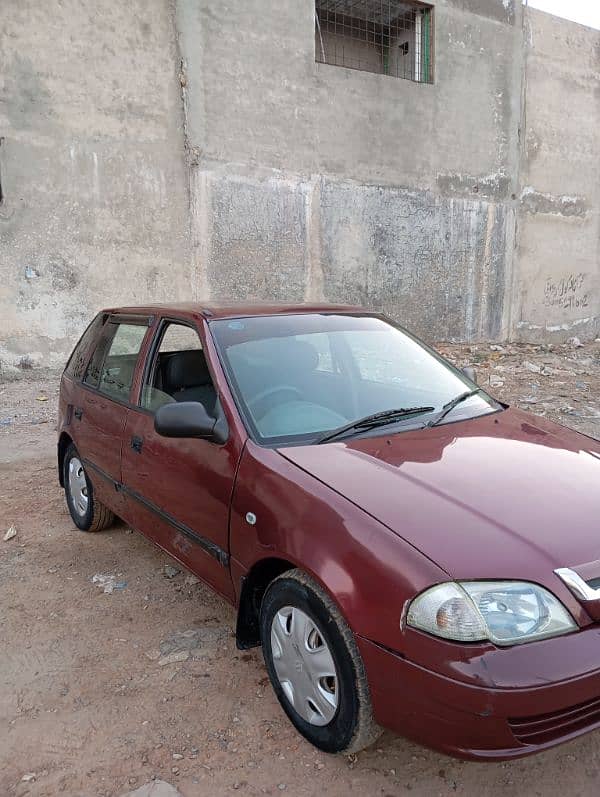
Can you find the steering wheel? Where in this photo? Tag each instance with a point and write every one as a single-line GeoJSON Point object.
{"type": "Point", "coordinates": [255, 403]}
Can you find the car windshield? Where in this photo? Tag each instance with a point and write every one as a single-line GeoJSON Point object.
{"type": "Point", "coordinates": [298, 377]}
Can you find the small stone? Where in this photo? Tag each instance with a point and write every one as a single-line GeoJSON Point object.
{"type": "Point", "coordinates": [496, 381]}
{"type": "Point", "coordinates": [575, 343]}
{"type": "Point", "coordinates": [174, 658]}
{"type": "Point", "coordinates": [177, 756]}
{"type": "Point", "coordinates": [155, 788]}
{"type": "Point", "coordinates": [568, 410]}
{"type": "Point", "coordinates": [108, 582]}
{"type": "Point", "coordinates": [496, 347]}
{"type": "Point", "coordinates": [170, 572]}
{"type": "Point", "coordinates": [281, 786]}
{"type": "Point", "coordinates": [175, 770]}
{"type": "Point", "coordinates": [533, 367]}
{"type": "Point", "coordinates": [28, 777]}
{"type": "Point", "coordinates": [12, 532]}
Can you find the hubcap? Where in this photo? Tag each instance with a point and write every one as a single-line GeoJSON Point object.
{"type": "Point", "coordinates": [78, 486]}
{"type": "Point", "coordinates": [304, 665]}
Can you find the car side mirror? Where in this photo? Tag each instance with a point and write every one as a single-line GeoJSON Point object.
{"type": "Point", "coordinates": [185, 419]}
{"type": "Point", "coordinates": [469, 372]}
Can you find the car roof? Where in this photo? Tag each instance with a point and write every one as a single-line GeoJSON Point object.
{"type": "Point", "coordinates": [211, 310]}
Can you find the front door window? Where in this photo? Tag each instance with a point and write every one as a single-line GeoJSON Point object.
{"type": "Point", "coordinates": [178, 371]}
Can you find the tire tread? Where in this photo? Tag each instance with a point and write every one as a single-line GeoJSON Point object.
{"type": "Point", "coordinates": [102, 516]}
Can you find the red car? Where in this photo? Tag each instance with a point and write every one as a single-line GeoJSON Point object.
{"type": "Point", "coordinates": [411, 553]}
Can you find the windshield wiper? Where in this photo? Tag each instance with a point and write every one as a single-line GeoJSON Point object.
{"type": "Point", "coordinates": [452, 404]}
{"type": "Point", "coordinates": [374, 420]}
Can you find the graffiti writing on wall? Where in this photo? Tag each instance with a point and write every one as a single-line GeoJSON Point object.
{"type": "Point", "coordinates": [567, 293]}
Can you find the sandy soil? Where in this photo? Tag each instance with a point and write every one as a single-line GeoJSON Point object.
{"type": "Point", "coordinates": [92, 699]}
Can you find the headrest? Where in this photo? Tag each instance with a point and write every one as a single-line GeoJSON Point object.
{"type": "Point", "coordinates": [187, 369]}
{"type": "Point", "coordinates": [304, 356]}
{"type": "Point", "coordinates": [295, 356]}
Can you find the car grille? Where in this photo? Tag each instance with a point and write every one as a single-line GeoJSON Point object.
{"type": "Point", "coordinates": [549, 727]}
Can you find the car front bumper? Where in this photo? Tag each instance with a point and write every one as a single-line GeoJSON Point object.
{"type": "Point", "coordinates": [481, 722]}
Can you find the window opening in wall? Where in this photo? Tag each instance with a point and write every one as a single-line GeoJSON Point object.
{"type": "Point", "coordinates": [389, 37]}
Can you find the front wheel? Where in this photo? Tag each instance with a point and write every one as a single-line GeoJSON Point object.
{"type": "Point", "coordinates": [87, 513]}
{"type": "Point", "coordinates": [314, 665]}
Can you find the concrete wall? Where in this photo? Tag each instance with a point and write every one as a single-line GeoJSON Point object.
{"type": "Point", "coordinates": [166, 149]}
{"type": "Point", "coordinates": [313, 181]}
{"type": "Point", "coordinates": [92, 168]}
{"type": "Point", "coordinates": [557, 281]}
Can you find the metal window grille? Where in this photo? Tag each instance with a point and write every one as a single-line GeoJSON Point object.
{"type": "Point", "coordinates": [389, 37]}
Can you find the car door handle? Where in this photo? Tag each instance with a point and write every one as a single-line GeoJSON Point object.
{"type": "Point", "coordinates": [137, 443]}
{"type": "Point", "coordinates": [78, 413]}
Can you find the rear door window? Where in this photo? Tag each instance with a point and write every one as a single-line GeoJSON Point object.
{"type": "Point", "coordinates": [112, 366]}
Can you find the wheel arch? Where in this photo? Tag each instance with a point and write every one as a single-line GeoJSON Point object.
{"type": "Point", "coordinates": [253, 587]}
{"type": "Point", "coordinates": [64, 441]}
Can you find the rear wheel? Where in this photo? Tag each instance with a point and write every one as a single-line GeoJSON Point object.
{"type": "Point", "coordinates": [88, 514]}
{"type": "Point", "coordinates": [314, 665]}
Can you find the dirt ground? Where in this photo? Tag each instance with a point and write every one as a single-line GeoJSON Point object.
{"type": "Point", "coordinates": [102, 691]}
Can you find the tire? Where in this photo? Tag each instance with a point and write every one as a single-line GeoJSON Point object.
{"type": "Point", "coordinates": [87, 513]}
{"type": "Point", "coordinates": [333, 712]}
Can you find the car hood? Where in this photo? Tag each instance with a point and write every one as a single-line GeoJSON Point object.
{"type": "Point", "coordinates": [506, 495]}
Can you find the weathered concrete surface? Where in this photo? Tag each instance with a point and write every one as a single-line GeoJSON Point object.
{"type": "Point", "coordinates": [94, 183]}
{"type": "Point", "coordinates": [327, 183]}
{"type": "Point", "coordinates": [557, 281]}
{"type": "Point", "coordinates": [257, 97]}
{"type": "Point", "coordinates": [436, 264]}
{"type": "Point", "coordinates": [169, 149]}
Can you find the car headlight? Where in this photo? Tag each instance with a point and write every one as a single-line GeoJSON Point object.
{"type": "Point", "coordinates": [503, 612]}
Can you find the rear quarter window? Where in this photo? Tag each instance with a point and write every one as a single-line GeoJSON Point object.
{"type": "Point", "coordinates": [77, 362]}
